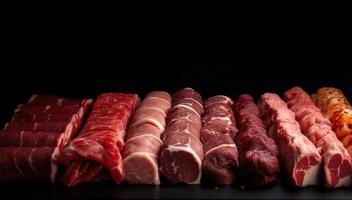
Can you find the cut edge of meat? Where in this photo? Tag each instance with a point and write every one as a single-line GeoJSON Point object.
{"type": "Point", "coordinates": [187, 150]}
{"type": "Point", "coordinates": [148, 163]}
{"type": "Point", "coordinates": [313, 171]}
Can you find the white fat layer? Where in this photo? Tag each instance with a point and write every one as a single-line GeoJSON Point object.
{"type": "Point", "coordinates": [6, 125]}
{"type": "Point", "coordinates": [345, 181]}
{"type": "Point", "coordinates": [151, 108]}
{"type": "Point", "coordinates": [143, 155]}
{"type": "Point", "coordinates": [30, 161]}
{"type": "Point", "coordinates": [227, 119]}
{"type": "Point", "coordinates": [33, 97]}
{"type": "Point", "coordinates": [225, 97]}
{"type": "Point", "coordinates": [153, 97]}
{"type": "Point", "coordinates": [35, 126]}
{"type": "Point", "coordinates": [54, 166]}
{"type": "Point", "coordinates": [47, 107]}
{"type": "Point", "coordinates": [21, 138]}
{"type": "Point", "coordinates": [220, 146]}
{"type": "Point", "coordinates": [187, 107]}
{"type": "Point", "coordinates": [142, 136]}
{"type": "Point", "coordinates": [150, 120]}
{"type": "Point", "coordinates": [188, 149]}
{"type": "Point", "coordinates": [16, 165]}
{"type": "Point", "coordinates": [194, 101]}
{"type": "Point", "coordinates": [311, 176]}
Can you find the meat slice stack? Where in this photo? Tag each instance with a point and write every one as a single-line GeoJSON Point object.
{"type": "Point", "coordinates": [182, 152]}
{"type": "Point", "coordinates": [258, 153]}
{"type": "Point", "coordinates": [337, 161]}
{"type": "Point", "coordinates": [335, 106]}
{"type": "Point", "coordinates": [142, 149]}
{"type": "Point", "coordinates": [30, 143]}
{"type": "Point", "coordinates": [299, 155]}
{"type": "Point", "coordinates": [220, 151]}
{"type": "Point", "coordinates": [98, 145]}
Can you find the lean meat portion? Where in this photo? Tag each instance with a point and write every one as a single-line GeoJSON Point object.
{"type": "Point", "coordinates": [218, 130]}
{"type": "Point", "coordinates": [299, 155]}
{"type": "Point", "coordinates": [99, 143]}
{"type": "Point", "coordinates": [142, 149]}
{"type": "Point", "coordinates": [30, 143]}
{"type": "Point", "coordinates": [182, 151]}
{"type": "Point", "coordinates": [258, 153]}
{"type": "Point", "coordinates": [337, 161]}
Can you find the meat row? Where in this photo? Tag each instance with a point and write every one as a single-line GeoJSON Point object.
{"type": "Point", "coordinates": [335, 106]}
{"type": "Point", "coordinates": [217, 133]}
{"type": "Point", "coordinates": [30, 143]}
{"type": "Point", "coordinates": [143, 143]}
{"type": "Point", "coordinates": [182, 151]}
{"type": "Point", "coordinates": [98, 145]}
{"type": "Point", "coordinates": [337, 161]}
{"type": "Point", "coordinates": [258, 153]}
{"type": "Point", "coordinates": [299, 155]}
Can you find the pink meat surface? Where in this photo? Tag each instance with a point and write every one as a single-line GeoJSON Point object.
{"type": "Point", "coordinates": [299, 155]}
{"type": "Point", "coordinates": [182, 151]}
{"type": "Point", "coordinates": [218, 130]}
{"type": "Point", "coordinates": [142, 149]}
{"type": "Point", "coordinates": [337, 161]}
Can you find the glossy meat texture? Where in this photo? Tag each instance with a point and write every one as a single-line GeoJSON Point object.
{"type": "Point", "coordinates": [142, 149]}
{"type": "Point", "coordinates": [98, 145]}
{"type": "Point", "coordinates": [337, 161]}
{"type": "Point", "coordinates": [298, 154]}
{"type": "Point", "coordinates": [335, 106]}
{"type": "Point", "coordinates": [39, 129]}
{"type": "Point", "coordinates": [258, 153]}
{"type": "Point", "coordinates": [218, 130]}
{"type": "Point", "coordinates": [182, 151]}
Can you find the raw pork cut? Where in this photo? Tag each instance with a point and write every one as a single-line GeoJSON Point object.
{"type": "Point", "coordinates": [337, 161]}
{"type": "Point", "coordinates": [182, 151]}
{"type": "Point", "coordinates": [142, 149]}
{"type": "Point", "coordinates": [299, 155]}
{"type": "Point", "coordinates": [28, 164]}
{"type": "Point", "coordinates": [258, 153]}
{"type": "Point", "coordinates": [99, 143]}
{"type": "Point", "coordinates": [218, 130]}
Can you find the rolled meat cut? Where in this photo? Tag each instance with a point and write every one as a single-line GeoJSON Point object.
{"type": "Point", "coordinates": [218, 130]}
{"type": "Point", "coordinates": [97, 146]}
{"type": "Point", "coordinates": [30, 143]}
{"type": "Point", "coordinates": [298, 154]}
{"type": "Point", "coordinates": [337, 161]}
{"type": "Point", "coordinates": [182, 151]}
{"type": "Point", "coordinates": [336, 107]}
{"type": "Point", "coordinates": [258, 153]}
{"type": "Point", "coordinates": [142, 149]}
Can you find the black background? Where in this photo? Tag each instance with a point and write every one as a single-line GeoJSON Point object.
{"type": "Point", "coordinates": [210, 73]}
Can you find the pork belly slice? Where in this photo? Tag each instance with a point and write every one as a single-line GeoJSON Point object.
{"type": "Point", "coordinates": [258, 153]}
{"type": "Point", "coordinates": [142, 149]}
{"type": "Point", "coordinates": [337, 161]}
{"type": "Point", "coordinates": [182, 151]}
{"type": "Point", "coordinates": [299, 155]}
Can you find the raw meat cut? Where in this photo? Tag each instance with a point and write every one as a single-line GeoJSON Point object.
{"type": "Point", "coordinates": [30, 143]}
{"type": "Point", "coordinates": [31, 139]}
{"type": "Point", "coordinates": [218, 130]}
{"type": "Point", "coordinates": [335, 106]}
{"type": "Point", "coordinates": [142, 149]}
{"type": "Point", "coordinates": [99, 143]}
{"type": "Point", "coordinates": [299, 155]}
{"type": "Point", "coordinates": [258, 153]}
{"type": "Point", "coordinates": [182, 151]}
{"type": "Point", "coordinates": [337, 161]}
{"type": "Point", "coordinates": [28, 164]}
